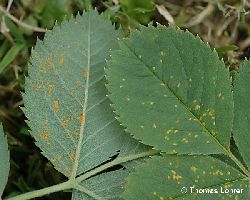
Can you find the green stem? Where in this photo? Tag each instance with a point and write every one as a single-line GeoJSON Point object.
{"type": "Point", "coordinates": [38, 193]}
{"type": "Point", "coordinates": [115, 162]}
{"type": "Point", "coordinates": [238, 163]}
{"type": "Point", "coordinates": [74, 183]}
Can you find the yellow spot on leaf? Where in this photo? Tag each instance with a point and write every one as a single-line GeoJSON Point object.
{"type": "Point", "coordinates": [167, 138]}
{"type": "Point", "coordinates": [175, 176]}
{"type": "Point", "coordinates": [193, 169]}
{"type": "Point", "coordinates": [38, 87]}
{"type": "Point", "coordinates": [184, 140]}
{"type": "Point", "coordinates": [77, 133]}
{"type": "Point", "coordinates": [78, 82]}
{"type": "Point", "coordinates": [76, 42]}
{"type": "Point", "coordinates": [65, 122]}
{"type": "Point", "coordinates": [42, 69]}
{"type": "Point", "coordinates": [50, 89]}
{"type": "Point", "coordinates": [197, 107]}
{"type": "Point", "coordinates": [50, 63]}
{"type": "Point", "coordinates": [154, 125]}
{"type": "Point", "coordinates": [56, 105]}
{"type": "Point", "coordinates": [169, 131]}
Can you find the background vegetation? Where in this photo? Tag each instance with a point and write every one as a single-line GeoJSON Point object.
{"type": "Point", "coordinates": [224, 24]}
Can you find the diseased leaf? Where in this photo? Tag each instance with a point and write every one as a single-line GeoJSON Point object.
{"type": "Point", "coordinates": [5, 161]}
{"type": "Point", "coordinates": [184, 178]}
{"type": "Point", "coordinates": [68, 110]}
{"type": "Point", "coordinates": [241, 128]}
{"type": "Point", "coordinates": [65, 98]}
{"type": "Point", "coordinates": [171, 91]}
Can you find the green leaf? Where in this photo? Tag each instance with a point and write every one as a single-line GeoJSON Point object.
{"type": "Point", "coordinates": [241, 126]}
{"type": "Point", "coordinates": [227, 48]}
{"type": "Point", "coordinates": [172, 92]}
{"type": "Point", "coordinates": [67, 106]}
{"type": "Point", "coordinates": [55, 10]}
{"type": "Point", "coordinates": [139, 10]}
{"type": "Point", "coordinates": [5, 161]}
{"type": "Point", "coordinates": [186, 177]}
{"type": "Point", "coordinates": [10, 55]}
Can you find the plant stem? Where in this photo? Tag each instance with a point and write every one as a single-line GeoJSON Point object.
{"type": "Point", "coordinates": [74, 182]}
{"type": "Point", "coordinates": [38, 193]}
{"type": "Point", "coordinates": [115, 162]}
{"type": "Point", "coordinates": [238, 163]}
{"type": "Point", "coordinates": [14, 19]}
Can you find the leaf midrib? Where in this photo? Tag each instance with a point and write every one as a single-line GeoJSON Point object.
{"type": "Point", "coordinates": [225, 151]}
{"type": "Point", "coordinates": [79, 146]}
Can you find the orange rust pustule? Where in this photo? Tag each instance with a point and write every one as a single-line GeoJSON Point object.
{"type": "Point", "coordinates": [50, 63]}
{"type": "Point", "coordinates": [45, 136]}
{"type": "Point", "coordinates": [61, 62]}
{"type": "Point", "coordinates": [81, 117]}
{"type": "Point", "coordinates": [73, 156]}
{"type": "Point", "coordinates": [85, 73]}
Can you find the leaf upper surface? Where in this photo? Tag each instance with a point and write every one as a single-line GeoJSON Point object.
{"type": "Point", "coordinates": [5, 161]}
{"type": "Point", "coordinates": [171, 177]}
{"type": "Point", "coordinates": [171, 91]}
{"type": "Point", "coordinates": [241, 127]}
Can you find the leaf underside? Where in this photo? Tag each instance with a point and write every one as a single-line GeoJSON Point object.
{"type": "Point", "coordinates": [241, 129]}
{"type": "Point", "coordinates": [66, 104]}
{"type": "Point", "coordinates": [164, 177]}
{"type": "Point", "coordinates": [171, 91]}
{"type": "Point", "coordinates": [5, 161]}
